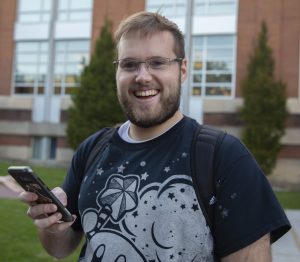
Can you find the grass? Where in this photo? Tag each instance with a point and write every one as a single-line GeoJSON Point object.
{"type": "Point", "coordinates": [18, 239]}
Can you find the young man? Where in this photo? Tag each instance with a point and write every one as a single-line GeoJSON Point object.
{"type": "Point", "coordinates": [136, 200]}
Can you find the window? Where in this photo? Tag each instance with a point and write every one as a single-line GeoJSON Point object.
{"type": "Point", "coordinates": [169, 8]}
{"type": "Point", "coordinates": [213, 65]}
{"type": "Point", "coordinates": [32, 11]}
{"type": "Point", "coordinates": [70, 58]}
{"type": "Point", "coordinates": [214, 7]}
{"type": "Point", "coordinates": [44, 148]}
{"type": "Point", "coordinates": [74, 10]}
{"type": "Point", "coordinates": [31, 59]}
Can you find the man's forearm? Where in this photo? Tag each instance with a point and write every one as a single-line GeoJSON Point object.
{"type": "Point", "coordinates": [259, 251]}
{"type": "Point", "coordinates": [60, 244]}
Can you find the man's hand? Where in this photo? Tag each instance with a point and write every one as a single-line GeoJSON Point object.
{"type": "Point", "coordinates": [45, 216]}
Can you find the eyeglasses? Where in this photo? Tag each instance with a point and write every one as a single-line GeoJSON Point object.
{"type": "Point", "coordinates": [152, 64]}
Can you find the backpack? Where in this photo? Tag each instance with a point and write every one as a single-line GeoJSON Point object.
{"type": "Point", "coordinates": [205, 144]}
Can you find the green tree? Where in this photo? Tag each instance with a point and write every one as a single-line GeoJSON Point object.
{"type": "Point", "coordinates": [264, 111]}
{"type": "Point", "coordinates": [95, 104]}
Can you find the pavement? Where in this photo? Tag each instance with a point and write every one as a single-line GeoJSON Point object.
{"type": "Point", "coordinates": [286, 249]}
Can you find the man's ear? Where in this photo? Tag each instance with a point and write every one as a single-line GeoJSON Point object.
{"type": "Point", "coordinates": [183, 70]}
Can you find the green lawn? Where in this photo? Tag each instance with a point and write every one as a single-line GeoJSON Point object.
{"type": "Point", "coordinates": [18, 240]}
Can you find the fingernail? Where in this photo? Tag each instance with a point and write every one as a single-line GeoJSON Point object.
{"type": "Point", "coordinates": [58, 216]}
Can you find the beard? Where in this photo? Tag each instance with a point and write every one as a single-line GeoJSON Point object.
{"type": "Point", "coordinates": [141, 117]}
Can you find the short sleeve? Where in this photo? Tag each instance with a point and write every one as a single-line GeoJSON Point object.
{"type": "Point", "coordinates": [246, 207]}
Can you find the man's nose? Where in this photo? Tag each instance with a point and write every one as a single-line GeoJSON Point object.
{"type": "Point", "coordinates": [143, 74]}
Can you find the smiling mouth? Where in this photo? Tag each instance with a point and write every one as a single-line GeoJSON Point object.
{"type": "Point", "coordinates": [145, 93]}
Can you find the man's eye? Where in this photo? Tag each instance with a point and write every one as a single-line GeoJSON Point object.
{"type": "Point", "coordinates": [157, 63]}
{"type": "Point", "coordinates": [129, 65]}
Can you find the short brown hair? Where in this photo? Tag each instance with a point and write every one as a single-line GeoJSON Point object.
{"type": "Point", "coordinates": [147, 23]}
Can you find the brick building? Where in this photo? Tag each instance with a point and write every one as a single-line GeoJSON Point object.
{"type": "Point", "coordinates": [45, 44]}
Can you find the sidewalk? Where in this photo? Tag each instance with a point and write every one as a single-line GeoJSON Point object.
{"type": "Point", "coordinates": [287, 248]}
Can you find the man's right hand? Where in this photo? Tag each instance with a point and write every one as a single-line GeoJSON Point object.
{"type": "Point", "coordinates": [45, 216]}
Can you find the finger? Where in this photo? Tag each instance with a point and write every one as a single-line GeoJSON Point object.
{"type": "Point", "coordinates": [49, 221]}
{"type": "Point", "coordinates": [43, 210]}
{"type": "Point", "coordinates": [27, 197]}
{"type": "Point", "coordinates": [60, 194]}
{"type": "Point", "coordinates": [60, 226]}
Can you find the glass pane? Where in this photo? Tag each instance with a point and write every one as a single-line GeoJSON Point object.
{"type": "Point", "coordinates": [59, 69]}
{"type": "Point", "coordinates": [60, 58]}
{"type": "Point", "coordinates": [218, 65]}
{"type": "Point", "coordinates": [30, 5]}
{"type": "Point", "coordinates": [62, 16]}
{"type": "Point", "coordinates": [78, 46]}
{"type": "Point", "coordinates": [45, 17]}
{"type": "Point", "coordinates": [197, 91]}
{"type": "Point", "coordinates": [222, 78]}
{"type": "Point", "coordinates": [23, 90]}
{"type": "Point", "coordinates": [47, 5]}
{"type": "Point", "coordinates": [197, 78]}
{"type": "Point", "coordinates": [44, 47]}
{"type": "Point", "coordinates": [41, 78]}
{"type": "Point", "coordinates": [60, 46]}
{"type": "Point", "coordinates": [37, 147]}
{"type": "Point", "coordinates": [80, 16]}
{"type": "Point", "coordinates": [26, 69]}
{"type": "Point", "coordinates": [28, 18]}
{"type": "Point", "coordinates": [72, 69]}
{"type": "Point", "coordinates": [40, 90]}
{"type": "Point", "coordinates": [198, 41]}
{"type": "Point", "coordinates": [53, 142]}
{"type": "Point", "coordinates": [217, 91]}
{"type": "Point", "coordinates": [42, 69]}
{"type": "Point", "coordinates": [28, 79]}
{"type": "Point", "coordinates": [71, 79]}
{"type": "Point", "coordinates": [58, 79]}
{"type": "Point", "coordinates": [218, 8]}
{"type": "Point", "coordinates": [198, 65]}
{"type": "Point", "coordinates": [43, 58]}
{"type": "Point", "coordinates": [57, 90]}
{"type": "Point", "coordinates": [76, 58]}
{"type": "Point", "coordinates": [27, 47]}
{"type": "Point", "coordinates": [220, 40]}
{"type": "Point", "coordinates": [81, 4]}
{"type": "Point", "coordinates": [27, 58]}
{"type": "Point", "coordinates": [63, 4]}
{"type": "Point", "coordinates": [199, 9]}
{"type": "Point", "coordinates": [219, 53]}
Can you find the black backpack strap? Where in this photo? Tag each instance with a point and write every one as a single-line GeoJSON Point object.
{"type": "Point", "coordinates": [99, 147]}
{"type": "Point", "coordinates": [205, 144]}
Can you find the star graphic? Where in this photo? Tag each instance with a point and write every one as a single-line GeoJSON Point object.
{"type": "Point", "coordinates": [224, 213]}
{"type": "Point", "coordinates": [167, 169]}
{"type": "Point", "coordinates": [195, 207]}
{"type": "Point", "coordinates": [100, 171]}
{"type": "Point", "coordinates": [184, 155]}
{"type": "Point", "coordinates": [144, 176]}
{"type": "Point", "coordinates": [154, 208]}
{"type": "Point", "coordinates": [171, 195]}
{"type": "Point", "coordinates": [121, 169]}
{"type": "Point", "coordinates": [135, 214]}
{"type": "Point", "coordinates": [182, 206]}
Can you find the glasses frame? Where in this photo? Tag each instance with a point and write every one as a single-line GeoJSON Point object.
{"type": "Point", "coordinates": [147, 63]}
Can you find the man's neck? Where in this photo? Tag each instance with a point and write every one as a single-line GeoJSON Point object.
{"type": "Point", "coordinates": [141, 134]}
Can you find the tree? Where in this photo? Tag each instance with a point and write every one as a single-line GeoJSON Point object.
{"type": "Point", "coordinates": [264, 111]}
{"type": "Point", "coordinates": [95, 104]}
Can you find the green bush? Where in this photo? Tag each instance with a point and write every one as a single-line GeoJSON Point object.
{"type": "Point", "coordinates": [264, 111]}
{"type": "Point", "coordinates": [95, 104]}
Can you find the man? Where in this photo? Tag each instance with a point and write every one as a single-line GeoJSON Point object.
{"type": "Point", "coordinates": [135, 201]}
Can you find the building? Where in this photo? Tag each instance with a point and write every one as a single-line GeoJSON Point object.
{"type": "Point", "coordinates": [45, 44]}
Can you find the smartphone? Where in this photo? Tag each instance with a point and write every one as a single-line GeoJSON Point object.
{"type": "Point", "coordinates": [30, 182]}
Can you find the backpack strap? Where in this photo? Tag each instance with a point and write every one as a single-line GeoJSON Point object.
{"type": "Point", "coordinates": [205, 144]}
{"type": "Point", "coordinates": [99, 147]}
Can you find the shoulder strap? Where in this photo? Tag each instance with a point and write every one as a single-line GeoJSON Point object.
{"type": "Point", "coordinates": [99, 147]}
{"type": "Point", "coordinates": [206, 142]}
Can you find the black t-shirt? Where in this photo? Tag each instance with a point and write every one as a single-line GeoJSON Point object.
{"type": "Point", "coordinates": [137, 202]}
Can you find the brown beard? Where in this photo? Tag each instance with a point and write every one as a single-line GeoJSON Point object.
{"type": "Point", "coordinates": [169, 107]}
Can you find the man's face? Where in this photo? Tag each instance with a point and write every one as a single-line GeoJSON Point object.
{"type": "Point", "coordinates": [149, 97]}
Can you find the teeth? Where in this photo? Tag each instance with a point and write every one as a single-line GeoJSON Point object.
{"type": "Point", "coordinates": [146, 93]}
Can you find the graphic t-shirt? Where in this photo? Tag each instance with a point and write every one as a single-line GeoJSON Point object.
{"type": "Point", "coordinates": [136, 202]}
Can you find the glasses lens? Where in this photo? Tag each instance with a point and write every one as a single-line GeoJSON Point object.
{"type": "Point", "coordinates": [158, 62]}
{"type": "Point", "coordinates": [128, 64]}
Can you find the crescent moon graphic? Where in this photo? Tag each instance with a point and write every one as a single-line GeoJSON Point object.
{"type": "Point", "coordinates": [155, 240]}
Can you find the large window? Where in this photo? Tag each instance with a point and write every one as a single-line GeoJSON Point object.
{"type": "Point", "coordinates": [214, 7]}
{"type": "Point", "coordinates": [31, 60]}
{"type": "Point", "coordinates": [169, 8]}
{"type": "Point", "coordinates": [213, 65]}
{"type": "Point", "coordinates": [32, 11]}
{"type": "Point", "coordinates": [74, 10]}
{"type": "Point", "coordinates": [70, 58]}
{"type": "Point", "coordinates": [44, 148]}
